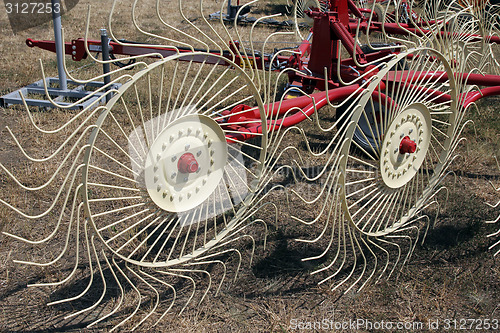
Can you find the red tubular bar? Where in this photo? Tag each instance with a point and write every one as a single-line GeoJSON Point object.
{"type": "Point", "coordinates": [308, 108]}
{"type": "Point", "coordinates": [472, 97]}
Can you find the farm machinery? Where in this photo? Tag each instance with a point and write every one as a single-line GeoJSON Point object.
{"type": "Point", "coordinates": [164, 181]}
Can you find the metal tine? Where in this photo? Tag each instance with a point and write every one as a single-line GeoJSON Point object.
{"type": "Point", "coordinates": [497, 219]}
{"type": "Point", "coordinates": [65, 248]}
{"type": "Point", "coordinates": [220, 262]}
{"type": "Point", "coordinates": [56, 228]}
{"type": "Point", "coordinates": [93, 306]}
{"type": "Point", "coordinates": [172, 272]}
{"type": "Point", "coordinates": [135, 289]}
{"type": "Point", "coordinates": [72, 273]}
{"type": "Point", "coordinates": [157, 302]}
{"type": "Point", "coordinates": [122, 293]}
{"type": "Point", "coordinates": [170, 287]}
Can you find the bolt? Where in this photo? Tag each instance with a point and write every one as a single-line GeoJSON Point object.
{"type": "Point", "coordinates": [189, 195]}
{"type": "Point", "coordinates": [190, 130]}
{"type": "Point", "coordinates": [158, 188]}
{"type": "Point", "coordinates": [198, 131]}
{"type": "Point", "coordinates": [197, 189]}
{"type": "Point", "coordinates": [209, 143]}
{"type": "Point", "coordinates": [211, 162]}
{"type": "Point", "coordinates": [181, 132]}
{"type": "Point", "coordinates": [158, 157]}
{"type": "Point", "coordinates": [402, 135]}
{"type": "Point", "coordinates": [174, 158]}
{"type": "Point", "coordinates": [212, 153]}
{"type": "Point", "coordinates": [180, 197]}
{"type": "Point", "coordinates": [204, 181]}
{"type": "Point", "coordinates": [205, 135]}
{"type": "Point", "coordinates": [410, 131]}
{"type": "Point", "coordinates": [74, 47]}
{"type": "Point", "coordinates": [186, 179]}
{"type": "Point", "coordinates": [164, 146]}
{"type": "Point", "coordinates": [396, 151]}
{"type": "Point", "coordinates": [73, 53]}
{"type": "Point", "coordinates": [198, 153]}
{"type": "Point", "coordinates": [172, 197]}
{"type": "Point", "coordinates": [155, 168]}
{"type": "Point", "coordinates": [186, 148]}
{"type": "Point", "coordinates": [164, 194]}
{"type": "Point", "coordinates": [156, 179]}
{"type": "Point", "coordinates": [174, 175]}
{"type": "Point", "coordinates": [172, 138]}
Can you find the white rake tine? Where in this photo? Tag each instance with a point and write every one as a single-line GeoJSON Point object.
{"type": "Point", "coordinates": [171, 273]}
{"type": "Point", "coordinates": [93, 306]}
{"type": "Point", "coordinates": [368, 279]}
{"type": "Point", "coordinates": [198, 271]}
{"type": "Point", "coordinates": [156, 303]}
{"type": "Point", "coordinates": [54, 232]}
{"type": "Point", "coordinates": [135, 289]}
{"type": "Point", "coordinates": [122, 293]}
{"type": "Point", "coordinates": [76, 258]}
{"type": "Point", "coordinates": [169, 286]}
{"type": "Point", "coordinates": [208, 263]}
{"type": "Point", "coordinates": [65, 248]}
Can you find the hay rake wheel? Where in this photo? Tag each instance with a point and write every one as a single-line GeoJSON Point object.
{"type": "Point", "coordinates": [385, 171]}
{"type": "Point", "coordinates": [404, 133]}
{"type": "Point", "coordinates": [190, 176]}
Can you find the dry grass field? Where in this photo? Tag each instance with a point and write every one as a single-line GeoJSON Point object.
{"type": "Point", "coordinates": [450, 277]}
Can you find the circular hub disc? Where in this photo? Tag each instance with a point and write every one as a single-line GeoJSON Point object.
{"type": "Point", "coordinates": [173, 186]}
{"type": "Point", "coordinates": [397, 167]}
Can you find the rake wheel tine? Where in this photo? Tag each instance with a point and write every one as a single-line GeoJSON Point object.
{"type": "Point", "coordinates": [212, 262]}
{"type": "Point", "coordinates": [335, 286]}
{"type": "Point", "coordinates": [166, 284]}
{"type": "Point", "coordinates": [157, 298]}
{"type": "Point", "coordinates": [368, 279]}
{"type": "Point", "coordinates": [398, 257]}
{"type": "Point", "coordinates": [198, 271]}
{"type": "Point", "coordinates": [386, 255]}
{"type": "Point", "coordinates": [135, 289]}
{"type": "Point", "coordinates": [57, 228]}
{"type": "Point", "coordinates": [76, 254]}
{"type": "Point", "coordinates": [103, 281]}
{"type": "Point", "coordinates": [122, 293]}
{"type": "Point", "coordinates": [228, 251]}
{"type": "Point", "coordinates": [171, 273]}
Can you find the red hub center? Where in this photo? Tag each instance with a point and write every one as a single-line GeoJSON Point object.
{"type": "Point", "coordinates": [187, 163]}
{"type": "Point", "coordinates": [407, 145]}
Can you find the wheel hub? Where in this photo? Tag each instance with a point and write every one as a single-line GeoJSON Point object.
{"type": "Point", "coordinates": [185, 163]}
{"type": "Point", "coordinates": [405, 145]}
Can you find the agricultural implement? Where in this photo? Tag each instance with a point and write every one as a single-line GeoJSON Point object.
{"type": "Point", "coordinates": [166, 179]}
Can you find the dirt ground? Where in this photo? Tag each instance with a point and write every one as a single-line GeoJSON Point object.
{"type": "Point", "coordinates": [451, 282]}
